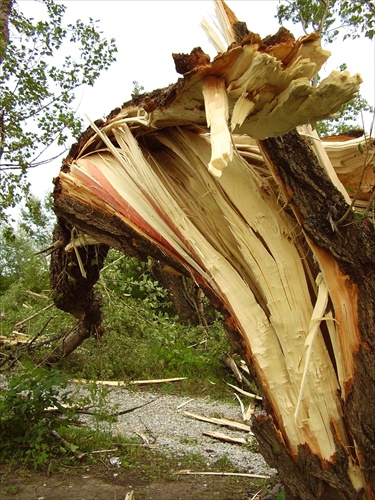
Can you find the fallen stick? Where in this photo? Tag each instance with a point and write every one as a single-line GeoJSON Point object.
{"type": "Point", "coordinates": [67, 445]}
{"type": "Point", "coordinates": [225, 437]}
{"type": "Point", "coordinates": [220, 421]}
{"type": "Point", "coordinates": [184, 404]}
{"type": "Point", "coordinates": [238, 474]}
{"type": "Point", "coordinates": [114, 383]}
{"type": "Point", "coordinates": [122, 412]}
{"type": "Point", "coordinates": [245, 393]}
{"type": "Point", "coordinates": [113, 450]}
{"type": "Point", "coordinates": [157, 380]}
{"type": "Point", "coordinates": [20, 323]}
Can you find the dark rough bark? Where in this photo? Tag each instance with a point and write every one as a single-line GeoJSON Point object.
{"type": "Point", "coordinates": [317, 205]}
{"type": "Point", "coordinates": [74, 293]}
{"type": "Point", "coordinates": [304, 478]}
{"type": "Point", "coordinates": [5, 8]}
{"type": "Point", "coordinates": [183, 303]}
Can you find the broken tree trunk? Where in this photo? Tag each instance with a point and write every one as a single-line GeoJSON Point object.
{"type": "Point", "coordinates": [250, 210]}
{"type": "Point", "coordinates": [73, 289]}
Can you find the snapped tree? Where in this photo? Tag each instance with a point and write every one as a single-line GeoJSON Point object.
{"type": "Point", "coordinates": [220, 178]}
{"type": "Point", "coordinates": [37, 100]}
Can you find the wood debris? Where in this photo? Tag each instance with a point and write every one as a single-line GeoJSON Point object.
{"type": "Point", "coordinates": [203, 190]}
{"type": "Point", "coordinates": [225, 437]}
{"type": "Point", "coordinates": [245, 393]}
{"type": "Point", "coordinates": [157, 381]}
{"type": "Point", "coordinates": [235, 474]}
{"type": "Point", "coordinates": [20, 323]}
{"type": "Point", "coordinates": [67, 445]}
{"type": "Point", "coordinates": [220, 421]}
{"type": "Point", "coordinates": [15, 338]}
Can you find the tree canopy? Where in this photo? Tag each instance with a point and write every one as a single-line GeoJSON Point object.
{"type": "Point", "coordinates": [39, 78]}
{"type": "Point", "coordinates": [330, 18]}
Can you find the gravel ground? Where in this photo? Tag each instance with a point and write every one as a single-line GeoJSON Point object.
{"type": "Point", "coordinates": [163, 423]}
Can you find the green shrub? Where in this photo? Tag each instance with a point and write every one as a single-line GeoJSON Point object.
{"type": "Point", "coordinates": [25, 425]}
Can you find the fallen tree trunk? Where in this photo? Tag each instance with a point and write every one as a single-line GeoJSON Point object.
{"type": "Point", "coordinates": [251, 212]}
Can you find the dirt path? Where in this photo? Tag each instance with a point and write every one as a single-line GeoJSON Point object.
{"type": "Point", "coordinates": [94, 485]}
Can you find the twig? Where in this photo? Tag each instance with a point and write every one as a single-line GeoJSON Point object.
{"type": "Point", "coordinates": [225, 438]}
{"type": "Point", "coordinates": [52, 339]}
{"type": "Point", "coordinates": [245, 393]}
{"type": "Point", "coordinates": [184, 404]}
{"type": "Point", "coordinates": [39, 333]}
{"type": "Point", "coordinates": [66, 445]}
{"type": "Point", "coordinates": [237, 474]}
{"type": "Point", "coordinates": [26, 346]}
{"type": "Point", "coordinates": [123, 412]}
{"type": "Point", "coordinates": [20, 323]}
{"type": "Point", "coordinates": [95, 452]}
{"type": "Point", "coordinates": [157, 380]}
{"type": "Point", "coordinates": [109, 291]}
{"type": "Point", "coordinates": [220, 421]}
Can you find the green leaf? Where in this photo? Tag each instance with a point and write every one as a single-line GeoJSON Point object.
{"type": "Point", "coordinates": [37, 97]}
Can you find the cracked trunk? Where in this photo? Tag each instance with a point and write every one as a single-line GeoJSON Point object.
{"type": "Point", "coordinates": [210, 178]}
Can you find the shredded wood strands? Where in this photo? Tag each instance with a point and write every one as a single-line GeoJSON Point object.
{"type": "Point", "coordinates": [230, 232]}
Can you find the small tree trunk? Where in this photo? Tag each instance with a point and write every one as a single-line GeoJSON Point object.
{"type": "Point", "coordinates": [184, 302]}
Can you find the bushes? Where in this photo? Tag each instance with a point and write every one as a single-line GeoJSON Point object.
{"type": "Point", "coordinates": [142, 339]}
{"type": "Point", "coordinates": [140, 344]}
{"type": "Point", "coordinates": [25, 424]}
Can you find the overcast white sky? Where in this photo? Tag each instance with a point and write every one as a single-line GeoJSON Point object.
{"type": "Point", "coordinates": [147, 32]}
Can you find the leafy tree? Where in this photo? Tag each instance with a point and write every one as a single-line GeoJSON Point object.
{"type": "Point", "coordinates": [38, 93]}
{"type": "Point", "coordinates": [332, 19]}
{"type": "Point", "coordinates": [18, 262]}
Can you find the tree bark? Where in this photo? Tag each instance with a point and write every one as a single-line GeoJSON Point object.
{"type": "Point", "coordinates": [74, 293]}
{"type": "Point", "coordinates": [5, 8]}
{"type": "Point", "coordinates": [345, 253]}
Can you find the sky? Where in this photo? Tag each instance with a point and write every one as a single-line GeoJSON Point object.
{"type": "Point", "coordinates": [147, 32]}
